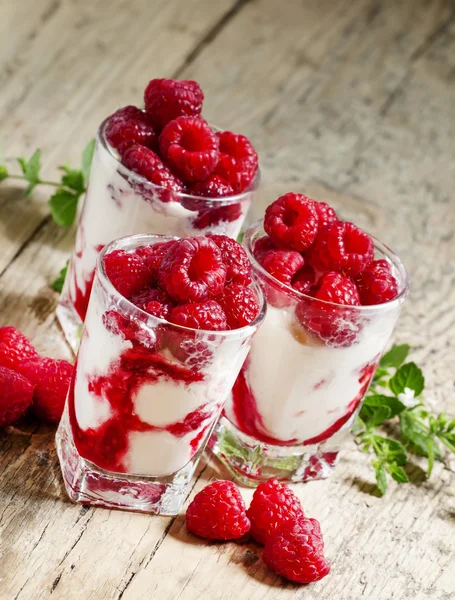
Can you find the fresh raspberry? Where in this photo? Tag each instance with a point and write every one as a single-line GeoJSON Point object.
{"type": "Point", "coordinates": [338, 289]}
{"type": "Point", "coordinates": [326, 215]}
{"type": "Point", "coordinates": [377, 284]}
{"type": "Point", "coordinates": [51, 378]}
{"type": "Point", "coordinates": [154, 301]}
{"type": "Point", "coordinates": [153, 255]}
{"type": "Point", "coordinates": [127, 272]}
{"type": "Point", "coordinates": [213, 187]}
{"type": "Point", "coordinates": [14, 347]}
{"type": "Point", "coordinates": [146, 163]}
{"type": "Point", "coordinates": [304, 280]}
{"type": "Point", "coordinates": [240, 304]}
{"type": "Point", "coordinates": [282, 264]}
{"type": "Point", "coordinates": [295, 556]}
{"type": "Point", "coordinates": [310, 527]}
{"type": "Point", "coordinates": [190, 148]}
{"type": "Point", "coordinates": [261, 246]}
{"type": "Point", "coordinates": [347, 248]}
{"type": "Point", "coordinates": [211, 217]}
{"type": "Point", "coordinates": [292, 221]}
{"type": "Point", "coordinates": [128, 126]}
{"type": "Point", "coordinates": [192, 270]}
{"type": "Point", "coordinates": [207, 315]}
{"type": "Point", "coordinates": [235, 258]}
{"type": "Point", "coordinates": [16, 394]}
{"type": "Point", "coordinates": [273, 503]}
{"type": "Point", "coordinates": [218, 512]}
{"type": "Point", "coordinates": [167, 99]}
{"type": "Point", "coordinates": [238, 161]}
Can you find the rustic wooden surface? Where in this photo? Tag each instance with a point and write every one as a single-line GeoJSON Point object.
{"type": "Point", "coordinates": [351, 101]}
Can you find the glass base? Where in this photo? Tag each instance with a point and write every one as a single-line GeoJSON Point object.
{"type": "Point", "coordinates": [252, 462]}
{"type": "Point", "coordinates": [70, 322]}
{"type": "Point", "coordinates": [88, 484]}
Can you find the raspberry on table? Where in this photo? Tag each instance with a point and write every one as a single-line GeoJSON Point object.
{"type": "Point", "coordinates": [238, 161]}
{"type": "Point", "coordinates": [310, 527]}
{"type": "Point", "coordinates": [282, 264]}
{"type": "Point", "coordinates": [304, 280]}
{"type": "Point", "coordinates": [192, 270]}
{"type": "Point", "coordinates": [16, 394]}
{"type": "Point", "coordinates": [296, 556]}
{"type": "Point", "coordinates": [235, 258]}
{"type": "Point", "coordinates": [326, 215]}
{"type": "Point", "coordinates": [347, 248]}
{"type": "Point", "coordinates": [153, 255]}
{"type": "Point", "coordinates": [377, 284]}
{"type": "Point", "coordinates": [211, 217]}
{"type": "Point", "coordinates": [14, 347]}
{"type": "Point", "coordinates": [207, 315]}
{"type": "Point", "coordinates": [51, 378]}
{"type": "Point", "coordinates": [338, 289]}
{"type": "Point", "coordinates": [128, 126]}
{"type": "Point", "coordinates": [190, 148]}
{"type": "Point", "coordinates": [213, 187]}
{"type": "Point", "coordinates": [146, 163]}
{"type": "Point", "coordinates": [273, 503]}
{"type": "Point", "coordinates": [240, 304]}
{"type": "Point", "coordinates": [292, 222]}
{"type": "Point", "coordinates": [167, 99]}
{"type": "Point", "coordinates": [218, 512]}
{"type": "Point", "coordinates": [127, 271]}
{"type": "Point", "coordinates": [261, 246]}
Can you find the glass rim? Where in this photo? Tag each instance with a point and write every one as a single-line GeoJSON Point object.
{"type": "Point", "coordinates": [258, 226]}
{"type": "Point", "coordinates": [224, 201]}
{"type": "Point", "coordinates": [128, 243]}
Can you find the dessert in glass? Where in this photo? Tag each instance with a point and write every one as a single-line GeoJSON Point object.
{"type": "Point", "coordinates": [162, 170]}
{"type": "Point", "coordinates": [334, 294]}
{"type": "Point", "coordinates": [169, 324]}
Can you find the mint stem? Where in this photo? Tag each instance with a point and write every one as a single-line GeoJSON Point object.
{"type": "Point", "coordinates": [40, 181]}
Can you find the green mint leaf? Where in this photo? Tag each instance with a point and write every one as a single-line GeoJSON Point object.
{"type": "Point", "coordinates": [366, 412]}
{"type": "Point", "coordinates": [63, 206]}
{"type": "Point", "coordinates": [408, 376]}
{"type": "Point", "coordinates": [448, 439]}
{"type": "Point", "coordinates": [395, 356]}
{"type": "Point", "coordinates": [415, 432]}
{"type": "Point", "coordinates": [31, 170]}
{"type": "Point", "coordinates": [380, 414]}
{"type": "Point", "coordinates": [87, 157]}
{"type": "Point", "coordinates": [57, 285]}
{"type": "Point", "coordinates": [3, 172]}
{"type": "Point", "coordinates": [375, 400]}
{"type": "Point", "coordinates": [240, 237]}
{"type": "Point", "coordinates": [381, 477]}
{"type": "Point", "coordinates": [451, 426]}
{"type": "Point", "coordinates": [22, 163]}
{"type": "Point", "coordinates": [390, 450]}
{"type": "Point", "coordinates": [73, 179]}
{"type": "Point", "coordinates": [397, 473]}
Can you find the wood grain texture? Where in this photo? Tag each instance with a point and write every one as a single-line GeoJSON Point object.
{"type": "Point", "coordinates": [352, 102]}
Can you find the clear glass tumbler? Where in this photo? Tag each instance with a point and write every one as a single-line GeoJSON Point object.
{"type": "Point", "coordinates": [120, 202]}
{"type": "Point", "coordinates": [304, 379]}
{"type": "Point", "coordinates": [144, 399]}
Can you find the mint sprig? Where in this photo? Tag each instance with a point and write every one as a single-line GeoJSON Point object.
{"type": "Point", "coordinates": [72, 185]}
{"type": "Point", "coordinates": [394, 397]}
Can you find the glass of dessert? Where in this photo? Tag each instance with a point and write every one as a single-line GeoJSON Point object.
{"type": "Point", "coordinates": [334, 294]}
{"type": "Point", "coordinates": [169, 324]}
{"type": "Point", "coordinates": [162, 170]}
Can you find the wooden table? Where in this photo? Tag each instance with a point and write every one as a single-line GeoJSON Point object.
{"type": "Point", "coordinates": [352, 102]}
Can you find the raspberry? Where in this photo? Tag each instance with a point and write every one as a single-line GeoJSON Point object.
{"type": "Point", "coordinates": [213, 216]}
{"type": "Point", "coordinates": [338, 289]}
{"type": "Point", "coordinates": [167, 99]}
{"type": "Point", "coordinates": [238, 161]}
{"type": "Point", "coordinates": [273, 503]}
{"type": "Point", "coordinates": [235, 258]}
{"type": "Point", "coordinates": [207, 315]}
{"type": "Point", "coordinates": [240, 304]}
{"type": "Point", "coordinates": [154, 301]}
{"type": "Point", "coordinates": [14, 347]}
{"type": "Point", "coordinates": [146, 163]}
{"type": "Point", "coordinates": [51, 378]}
{"type": "Point", "coordinates": [282, 264]}
{"type": "Point", "coordinates": [153, 255]}
{"type": "Point", "coordinates": [326, 215]}
{"type": "Point", "coordinates": [292, 221]}
{"type": "Point", "coordinates": [261, 246]}
{"type": "Point", "coordinates": [347, 248]}
{"type": "Point", "coordinates": [192, 270]}
{"type": "Point", "coordinates": [127, 272]}
{"type": "Point", "coordinates": [129, 126]}
{"type": "Point", "coordinates": [16, 394]}
{"type": "Point", "coordinates": [304, 280]}
{"type": "Point", "coordinates": [218, 512]}
{"type": "Point", "coordinates": [310, 527]}
{"type": "Point", "coordinates": [213, 187]}
{"type": "Point", "coordinates": [190, 147]}
{"type": "Point", "coordinates": [296, 556]}
{"type": "Point", "coordinates": [377, 284]}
